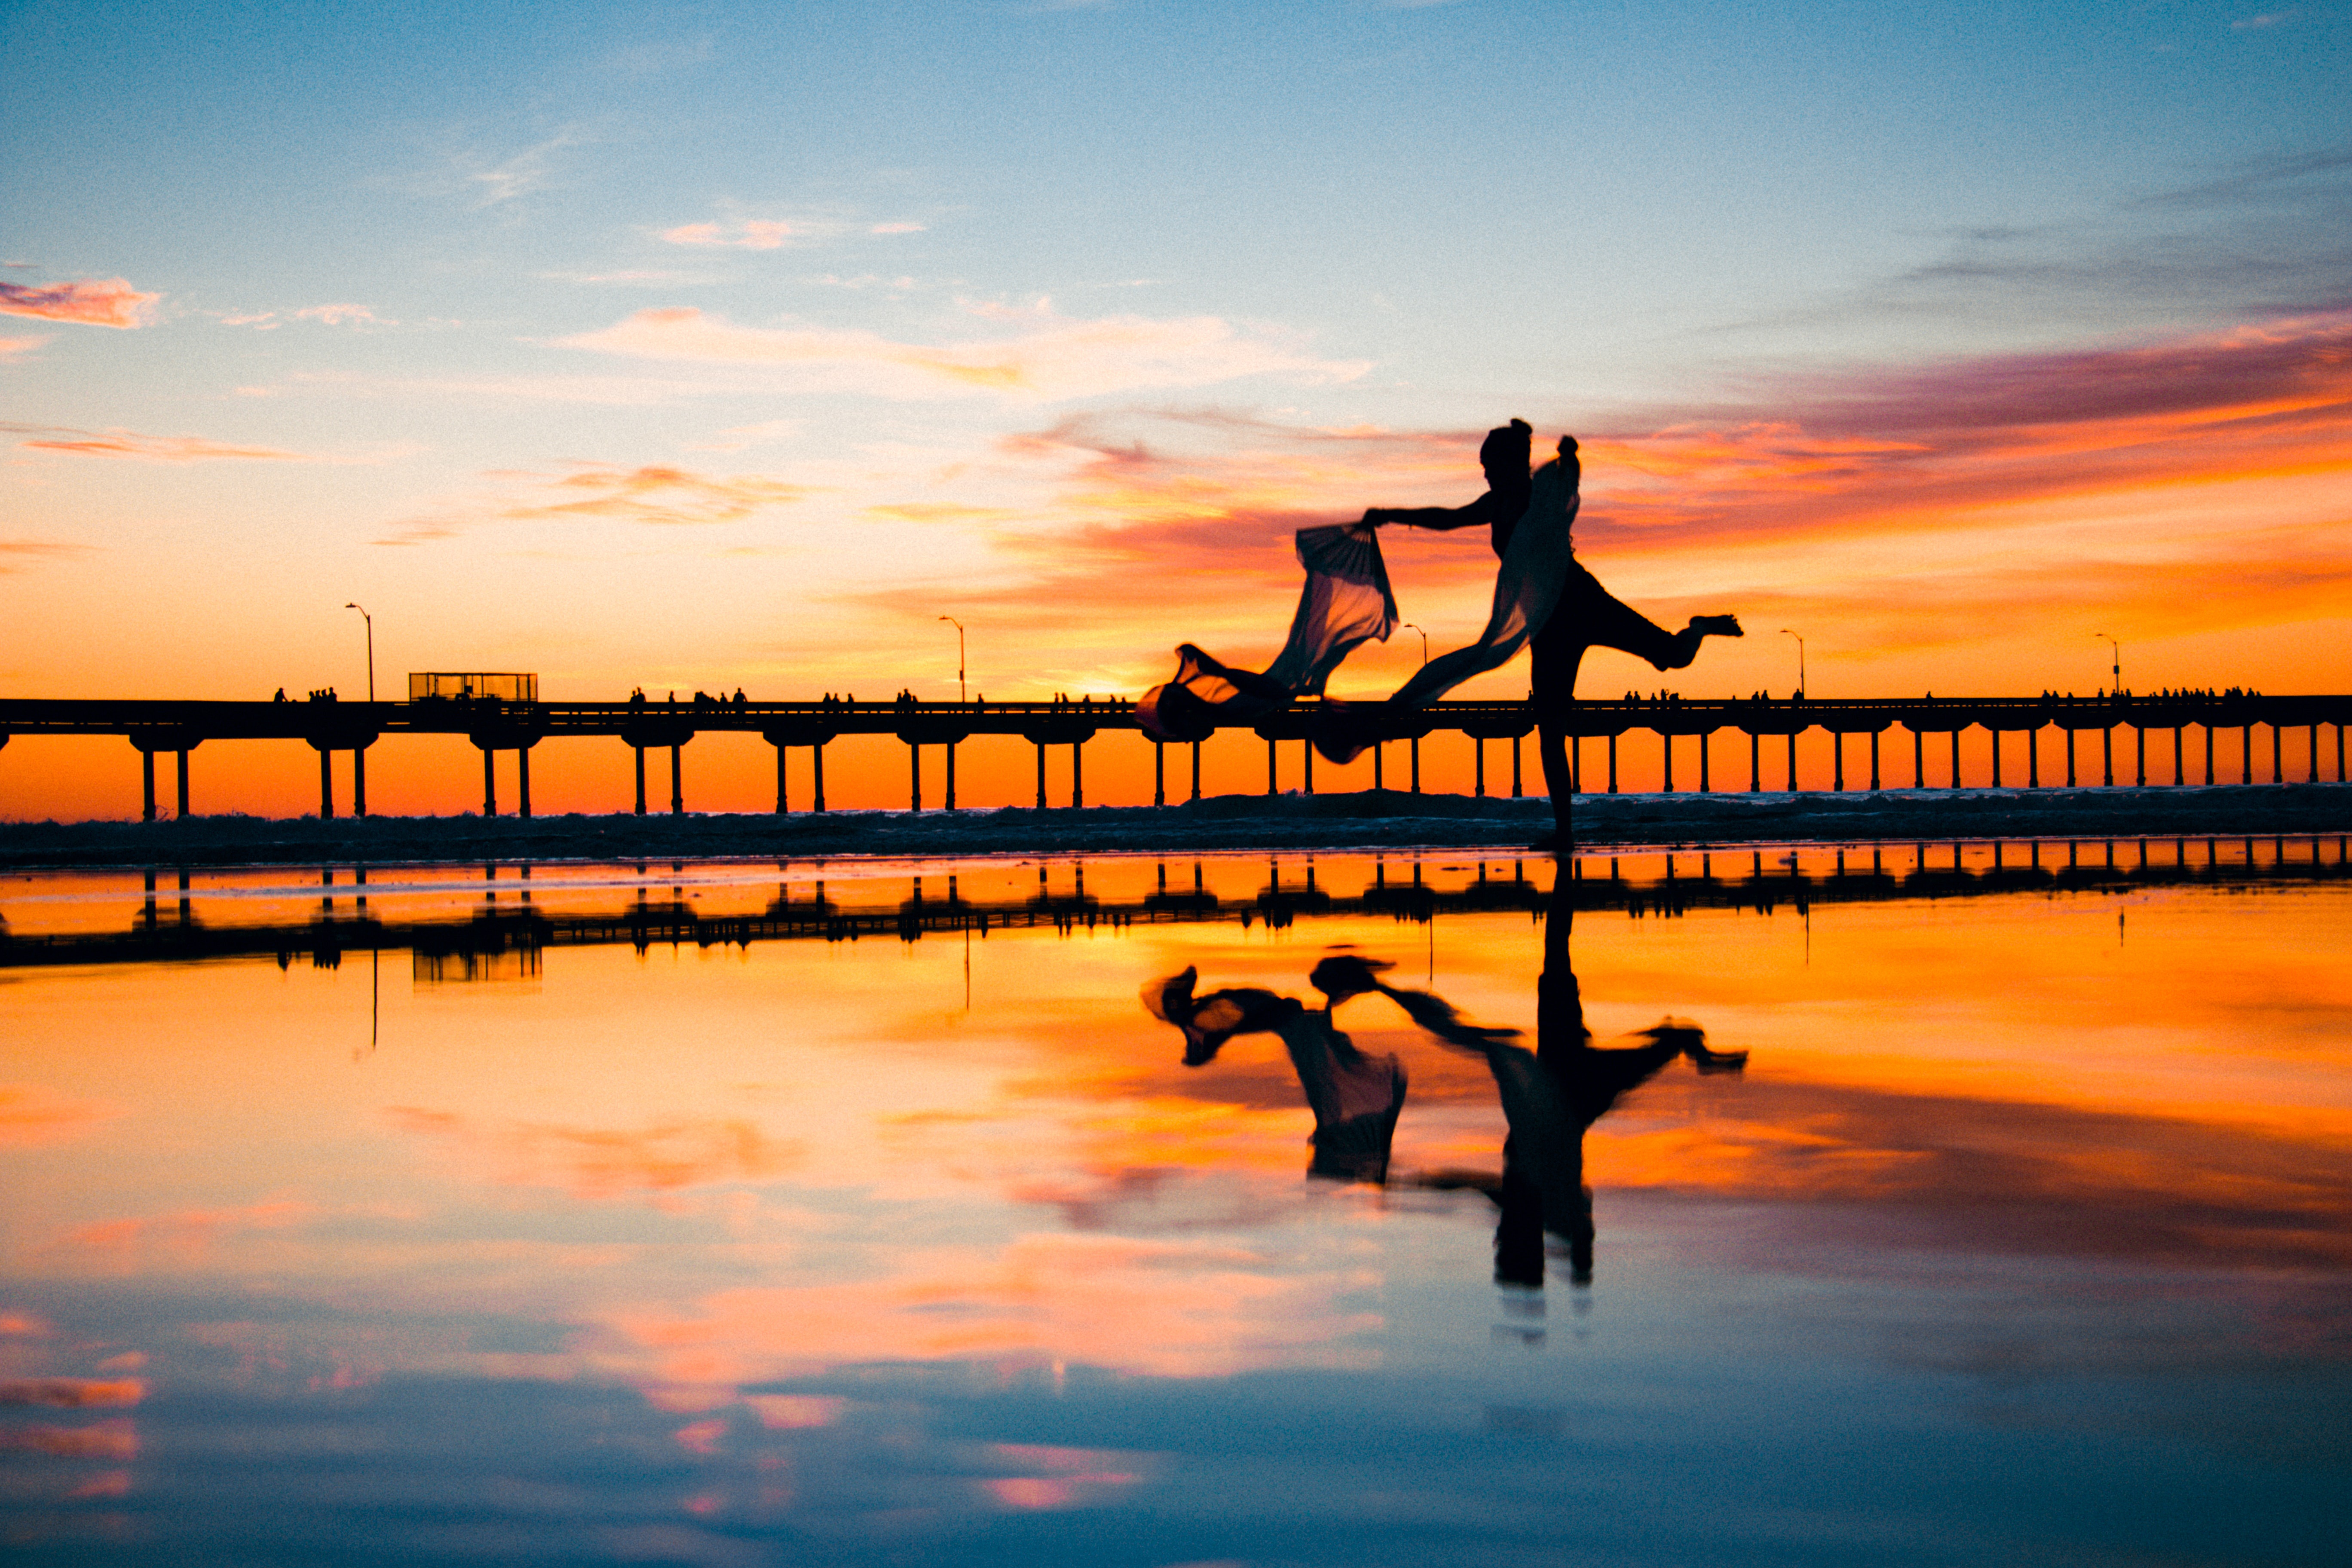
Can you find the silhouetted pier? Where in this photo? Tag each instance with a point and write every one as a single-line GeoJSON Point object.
{"type": "Point", "coordinates": [2056, 729]}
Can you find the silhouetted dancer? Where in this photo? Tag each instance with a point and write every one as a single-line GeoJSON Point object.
{"type": "Point", "coordinates": [1546, 595]}
{"type": "Point", "coordinates": [1356, 1098]}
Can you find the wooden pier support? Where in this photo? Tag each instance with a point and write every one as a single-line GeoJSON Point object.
{"type": "Point", "coordinates": [1837, 761]}
{"type": "Point", "coordinates": [1160, 778]}
{"type": "Point", "coordinates": [1874, 762]}
{"type": "Point", "coordinates": [1077, 774]}
{"type": "Point", "coordinates": [1196, 770]}
{"type": "Point", "coordinates": [1755, 763]}
{"type": "Point", "coordinates": [523, 781]}
{"type": "Point", "coordinates": [677, 779]}
{"type": "Point", "coordinates": [1918, 760]}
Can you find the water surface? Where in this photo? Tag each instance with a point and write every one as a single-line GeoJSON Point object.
{"type": "Point", "coordinates": [1938, 1210]}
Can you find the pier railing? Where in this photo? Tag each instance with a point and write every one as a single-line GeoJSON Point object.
{"type": "Point", "coordinates": [493, 726]}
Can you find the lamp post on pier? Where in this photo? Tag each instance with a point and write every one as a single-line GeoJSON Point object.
{"type": "Point", "coordinates": [959, 626]}
{"type": "Point", "coordinates": [2117, 671]}
{"type": "Point", "coordinates": [370, 646]}
{"type": "Point", "coordinates": [1800, 660]}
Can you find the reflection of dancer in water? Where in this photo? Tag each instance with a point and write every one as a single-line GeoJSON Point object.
{"type": "Point", "coordinates": [1559, 604]}
{"type": "Point", "coordinates": [1356, 1098]}
{"type": "Point", "coordinates": [1550, 1095]}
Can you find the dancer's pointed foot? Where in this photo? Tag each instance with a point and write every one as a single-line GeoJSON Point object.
{"type": "Point", "coordinates": [1716, 625]}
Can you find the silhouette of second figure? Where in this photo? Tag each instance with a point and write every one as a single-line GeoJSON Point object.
{"type": "Point", "coordinates": [1550, 1095]}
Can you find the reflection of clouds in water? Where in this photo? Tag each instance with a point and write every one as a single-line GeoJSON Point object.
{"type": "Point", "coordinates": [605, 1163]}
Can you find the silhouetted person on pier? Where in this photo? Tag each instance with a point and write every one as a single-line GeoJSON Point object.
{"type": "Point", "coordinates": [1585, 615]}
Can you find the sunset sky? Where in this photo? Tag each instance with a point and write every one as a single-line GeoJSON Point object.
{"type": "Point", "coordinates": [720, 345]}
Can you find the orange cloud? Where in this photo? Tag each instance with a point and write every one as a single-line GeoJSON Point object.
{"type": "Point", "coordinates": [1056, 359]}
{"type": "Point", "coordinates": [93, 302]}
{"type": "Point", "coordinates": [18, 348]}
{"type": "Point", "coordinates": [131, 443]}
{"type": "Point", "coordinates": [343, 315]}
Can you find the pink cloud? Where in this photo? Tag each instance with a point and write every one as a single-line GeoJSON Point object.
{"type": "Point", "coordinates": [343, 315]}
{"type": "Point", "coordinates": [1056, 359]}
{"type": "Point", "coordinates": [106, 1483]}
{"type": "Point", "coordinates": [18, 348]}
{"type": "Point", "coordinates": [118, 442]}
{"type": "Point", "coordinates": [93, 302]}
{"type": "Point", "coordinates": [755, 235]}
{"type": "Point", "coordinates": [896, 228]}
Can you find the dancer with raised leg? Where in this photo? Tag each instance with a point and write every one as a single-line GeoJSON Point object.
{"type": "Point", "coordinates": [1545, 596]}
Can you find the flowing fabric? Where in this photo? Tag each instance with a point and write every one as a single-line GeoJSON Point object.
{"type": "Point", "coordinates": [1345, 603]}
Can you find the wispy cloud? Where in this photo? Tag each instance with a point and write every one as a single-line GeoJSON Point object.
{"type": "Point", "coordinates": [527, 170]}
{"type": "Point", "coordinates": [118, 442]}
{"type": "Point", "coordinates": [1058, 359]}
{"type": "Point", "coordinates": [651, 494]}
{"type": "Point", "coordinates": [754, 234]}
{"type": "Point", "coordinates": [19, 348]}
{"type": "Point", "coordinates": [342, 316]}
{"type": "Point", "coordinates": [92, 302]}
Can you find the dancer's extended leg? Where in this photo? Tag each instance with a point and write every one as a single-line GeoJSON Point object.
{"type": "Point", "coordinates": [1588, 615]}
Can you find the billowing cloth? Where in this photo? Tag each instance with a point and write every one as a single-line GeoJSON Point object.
{"type": "Point", "coordinates": [1345, 603]}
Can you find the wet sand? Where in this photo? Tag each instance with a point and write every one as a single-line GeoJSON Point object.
{"type": "Point", "coordinates": [1370, 819]}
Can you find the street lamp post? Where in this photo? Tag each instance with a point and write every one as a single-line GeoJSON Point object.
{"type": "Point", "coordinates": [1408, 625]}
{"type": "Point", "coordinates": [959, 626]}
{"type": "Point", "coordinates": [371, 642]}
{"type": "Point", "coordinates": [1801, 660]}
{"type": "Point", "coordinates": [2117, 671]}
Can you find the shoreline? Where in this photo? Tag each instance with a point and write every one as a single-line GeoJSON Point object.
{"type": "Point", "coordinates": [1368, 820]}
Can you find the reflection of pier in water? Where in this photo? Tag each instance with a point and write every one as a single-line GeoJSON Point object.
{"type": "Point", "coordinates": [504, 940]}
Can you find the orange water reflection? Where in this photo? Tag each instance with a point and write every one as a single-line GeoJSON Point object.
{"type": "Point", "coordinates": [711, 1168]}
